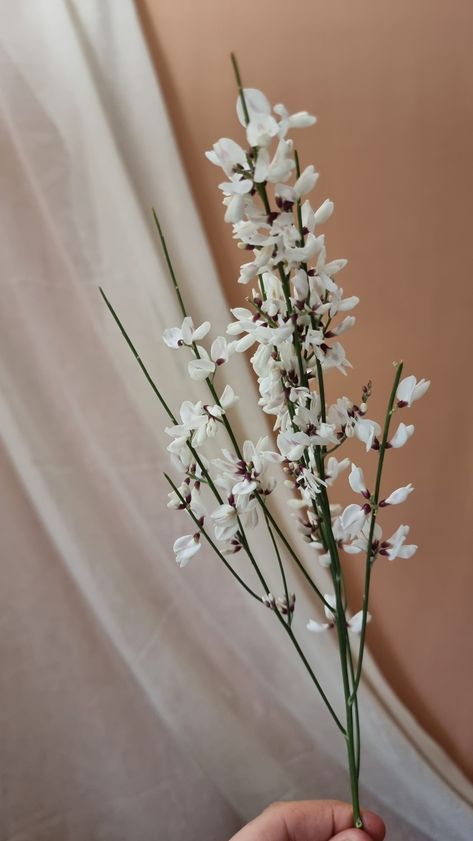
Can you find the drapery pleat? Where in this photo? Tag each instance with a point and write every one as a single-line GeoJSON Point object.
{"type": "Point", "coordinates": [138, 700]}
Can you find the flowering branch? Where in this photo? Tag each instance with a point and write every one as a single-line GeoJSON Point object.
{"type": "Point", "coordinates": [292, 318]}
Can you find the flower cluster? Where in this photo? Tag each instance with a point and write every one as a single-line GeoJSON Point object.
{"type": "Point", "coordinates": [296, 314]}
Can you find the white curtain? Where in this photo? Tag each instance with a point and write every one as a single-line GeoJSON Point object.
{"type": "Point", "coordinates": [138, 700]}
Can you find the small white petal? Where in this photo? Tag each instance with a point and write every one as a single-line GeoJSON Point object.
{"type": "Point", "coordinates": [324, 212]}
{"type": "Point", "coordinates": [356, 622]}
{"type": "Point", "coordinates": [399, 495]}
{"type": "Point", "coordinates": [357, 480]}
{"type": "Point", "coordinates": [317, 627]}
{"type": "Point", "coordinates": [200, 369]}
{"type": "Point", "coordinates": [228, 398]}
{"type": "Point", "coordinates": [402, 435]}
{"type": "Point", "coordinates": [201, 331]}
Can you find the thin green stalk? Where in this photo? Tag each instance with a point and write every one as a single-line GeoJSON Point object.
{"type": "Point", "coordinates": [301, 654]}
{"type": "Point", "coordinates": [169, 263]}
{"type": "Point", "coordinates": [294, 556]}
{"type": "Point", "coordinates": [374, 502]}
{"type": "Point", "coordinates": [280, 564]}
{"type": "Point", "coordinates": [211, 542]}
{"type": "Point", "coordinates": [159, 395]}
{"type": "Point", "coordinates": [236, 70]}
{"type": "Point", "coordinates": [138, 358]}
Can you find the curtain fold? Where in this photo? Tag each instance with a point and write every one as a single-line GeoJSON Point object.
{"type": "Point", "coordinates": [139, 700]}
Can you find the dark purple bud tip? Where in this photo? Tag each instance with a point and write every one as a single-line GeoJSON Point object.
{"type": "Point", "coordinates": [180, 343]}
{"type": "Point", "coordinates": [383, 503]}
{"type": "Point", "coordinates": [375, 444]}
{"type": "Point", "coordinates": [401, 404]}
{"type": "Point", "coordinates": [367, 508]}
{"type": "Point", "coordinates": [197, 536]}
{"type": "Point", "coordinates": [201, 522]}
{"type": "Point", "coordinates": [220, 362]}
{"type": "Point", "coordinates": [366, 494]}
{"type": "Point", "coordinates": [383, 552]}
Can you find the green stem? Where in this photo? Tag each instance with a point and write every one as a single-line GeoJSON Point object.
{"type": "Point", "coordinates": [306, 663]}
{"type": "Point", "coordinates": [138, 358]}
{"type": "Point", "coordinates": [280, 564]}
{"type": "Point", "coordinates": [169, 263]}
{"type": "Point", "coordinates": [375, 501]}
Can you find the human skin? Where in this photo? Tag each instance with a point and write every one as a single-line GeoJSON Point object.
{"type": "Point", "coordinates": [311, 820]}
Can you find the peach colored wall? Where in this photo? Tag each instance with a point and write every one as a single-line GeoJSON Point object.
{"type": "Point", "coordinates": [392, 85]}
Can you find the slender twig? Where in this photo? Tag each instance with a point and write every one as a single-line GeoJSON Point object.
{"type": "Point", "coordinates": [374, 502]}
{"type": "Point", "coordinates": [280, 564]}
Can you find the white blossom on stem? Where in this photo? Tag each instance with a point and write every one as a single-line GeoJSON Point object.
{"type": "Point", "coordinates": [186, 547]}
{"type": "Point", "coordinates": [409, 390]}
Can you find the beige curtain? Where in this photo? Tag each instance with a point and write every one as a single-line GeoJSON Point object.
{"type": "Point", "coordinates": [138, 700]}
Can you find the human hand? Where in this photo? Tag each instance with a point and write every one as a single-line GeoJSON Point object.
{"type": "Point", "coordinates": [311, 820]}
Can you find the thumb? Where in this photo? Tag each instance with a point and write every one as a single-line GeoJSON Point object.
{"type": "Point", "coordinates": [311, 820]}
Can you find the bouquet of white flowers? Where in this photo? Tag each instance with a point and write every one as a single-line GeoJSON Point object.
{"type": "Point", "coordinates": [295, 317]}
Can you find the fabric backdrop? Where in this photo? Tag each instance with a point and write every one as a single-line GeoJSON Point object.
{"type": "Point", "coordinates": [138, 700]}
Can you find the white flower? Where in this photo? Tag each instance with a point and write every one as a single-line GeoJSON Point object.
{"type": "Point", "coordinates": [277, 168]}
{"type": "Point", "coordinates": [323, 213]}
{"type": "Point", "coordinates": [360, 543]}
{"type": "Point", "coordinates": [402, 434]}
{"type": "Point", "coordinates": [366, 431]}
{"type": "Point", "coordinates": [395, 547]}
{"type": "Point", "coordinates": [197, 420]}
{"type": "Point", "coordinates": [334, 357]}
{"type": "Point", "coordinates": [356, 622]}
{"type": "Point", "coordinates": [357, 481]}
{"type": "Point", "coordinates": [306, 181]}
{"type": "Point", "coordinates": [258, 454]}
{"type": "Point", "coordinates": [228, 398]}
{"type": "Point", "coordinates": [318, 627]}
{"type": "Point", "coordinates": [226, 522]}
{"type": "Point", "coordinates": [221, 350]}
{"type": "Point", "coordinates": [228, 155]}
{"type": "Point", "coordinates": [397, 496]}
{"type": "Point", "coordinates": [299, 120]}
{"type": "Point", "coordinates": [200, 369]}
{"type": "Point", "coordinates": [352, 519]}
{"type": "Point", "coordinates": [186, 334]}
{"type": "Point", "coordinates": [410, 390]}
{"type": "Point", "coordinates": [235, 192]}
{"type": "Point", "coordinates": [334, 468]}
{"type": "Point", "coordinates": [185, 547]}
{"type": "Point", "coordinates": [292, 444]}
